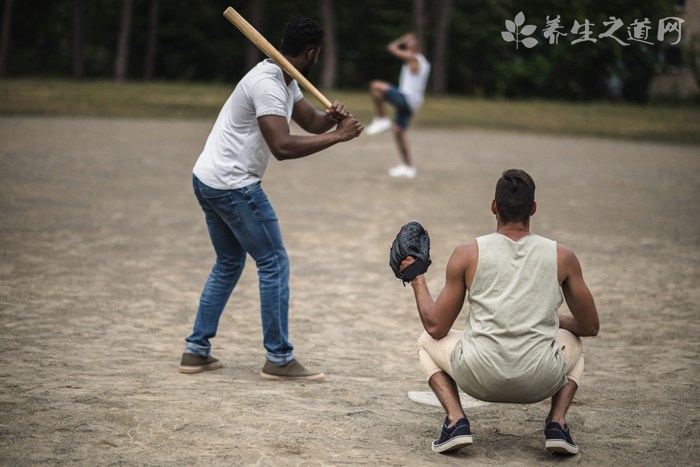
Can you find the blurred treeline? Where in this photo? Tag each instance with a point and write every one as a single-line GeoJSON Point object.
{"type": "Point", "coordinates": [190, 40]}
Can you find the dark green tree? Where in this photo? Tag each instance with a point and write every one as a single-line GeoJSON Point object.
{"type": "Point", "coordinates": [187, 40]}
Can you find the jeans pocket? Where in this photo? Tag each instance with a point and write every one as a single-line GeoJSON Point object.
{"type": "Point", "coordinates": [224, 205]}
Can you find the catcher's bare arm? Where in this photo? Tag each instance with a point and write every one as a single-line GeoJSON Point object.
{"type": "Point", "coordinates": [439, 315]}
{"type": "Point", "coordinates": [585, 321]}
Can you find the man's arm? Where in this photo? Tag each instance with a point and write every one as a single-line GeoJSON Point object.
{"type": "Point", "coordinates": [396, 48]}
{"type": "Point", "coordinates": [584, 319]}
{"type": "Point", "coordinates": [439, 315]}
{"type": "Point", "coordinates": [284, 145]}
{"type": "Point", "coordinates": [313, 121]}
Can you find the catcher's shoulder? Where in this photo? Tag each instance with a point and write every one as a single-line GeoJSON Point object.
{"type": "Point", "coordinates": [466, 252]}
{"type": "Point", "coordinates": [566, 257]}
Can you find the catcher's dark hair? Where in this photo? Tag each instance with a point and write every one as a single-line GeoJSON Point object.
{"type": "Point", "coordinates": [515, 196]}
{"type": "Point", "coordinates": [300, 34]}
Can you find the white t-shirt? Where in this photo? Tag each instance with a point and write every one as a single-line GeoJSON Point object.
{"type": "Point", "coordinates": [412, 85]}
{"type": "Point", "coordinates": [236, 154]}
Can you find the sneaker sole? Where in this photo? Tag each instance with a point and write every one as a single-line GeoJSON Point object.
{"type": "Point", "coordinates": [560, 447]}
{"type": "Point", "coordinates": [190, 370]}
{"type": "Point", "coordinates": [269, 377]}
{"type": "Point", "coordinates": [455, 443]}
{"type": "Point", "coordinates": [377, 131]}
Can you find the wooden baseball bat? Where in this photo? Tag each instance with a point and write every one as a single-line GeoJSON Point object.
{"type": "Point", "coordinates": [268, 49]}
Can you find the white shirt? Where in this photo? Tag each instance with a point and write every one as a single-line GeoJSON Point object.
{"type": "Point", "coordinates": [412, 85]}
{"type": "Point", "coordinates": [236, 154]}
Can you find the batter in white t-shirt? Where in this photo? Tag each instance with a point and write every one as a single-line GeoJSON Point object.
{"type": "Point", "coordinates": [252, 125]}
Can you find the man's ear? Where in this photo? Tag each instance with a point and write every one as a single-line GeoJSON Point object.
{"type": "Point", "coordinates": [534, 208]}
{"type": "Point", "coordinates": [493, 207]}
{"type": "Point", "coordinates": [311, 54]}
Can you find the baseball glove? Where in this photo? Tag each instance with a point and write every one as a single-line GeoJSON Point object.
{"type": "Point", "coordinates": [412, 240]}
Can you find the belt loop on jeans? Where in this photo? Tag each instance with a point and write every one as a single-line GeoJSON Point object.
{"type": "Point", "coordinates": [250, 187]}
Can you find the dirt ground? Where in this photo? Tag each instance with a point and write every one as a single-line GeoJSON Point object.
{"type": "Point", "coordinates": [104, 251]}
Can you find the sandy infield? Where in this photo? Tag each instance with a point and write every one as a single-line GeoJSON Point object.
{"type": "Point", "coordinates": [104, 251]}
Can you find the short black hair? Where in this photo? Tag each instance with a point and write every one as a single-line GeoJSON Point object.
{"type": "Point", "coordinates": [515, 196]}
{"type": "Point", "coordinates": [300, 33]}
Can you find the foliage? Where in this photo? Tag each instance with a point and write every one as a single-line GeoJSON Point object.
{"type": "Point", "coordinates": [197, 44]}
{"type": "Point", "coordinates": [692, 56]}
{"type": "Point", "coordinates": [581, 71]}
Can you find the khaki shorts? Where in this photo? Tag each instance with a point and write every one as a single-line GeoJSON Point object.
{"type": "Point", "coordinates": [436, 355]}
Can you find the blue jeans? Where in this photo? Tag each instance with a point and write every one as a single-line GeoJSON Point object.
{"type": "Point", "coordinates": [403, 110]}
{"type": "Point", "coordinates": [241, 222]}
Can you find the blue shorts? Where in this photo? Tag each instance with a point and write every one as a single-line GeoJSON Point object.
{"type": "Point", "coordinates": [398, 100]}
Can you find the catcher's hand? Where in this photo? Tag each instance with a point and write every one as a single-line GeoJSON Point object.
{"type": "Point", "coordinates": [412, 240]}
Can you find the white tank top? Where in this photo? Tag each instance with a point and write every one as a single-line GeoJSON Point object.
{"type": "Point", "coordinates": [508, 352]}
{"type": "Point", "coordinates": [412, 85]}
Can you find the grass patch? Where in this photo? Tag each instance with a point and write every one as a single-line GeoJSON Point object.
{"type": "Point", "coordinates": [663, 123]}
{"type": "Point", "coordinates": [108, 99]}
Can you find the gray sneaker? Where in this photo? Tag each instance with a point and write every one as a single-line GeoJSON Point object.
{"type": "Point", "coordinates": [291, 371]}
{"type": "Point", "coordinates": [191, 363]}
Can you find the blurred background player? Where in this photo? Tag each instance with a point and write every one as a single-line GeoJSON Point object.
{"type": "Point", "coordinates": [406, 99]}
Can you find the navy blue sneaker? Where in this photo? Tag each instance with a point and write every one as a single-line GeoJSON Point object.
{"type": "Point", "coordinates": [558, 439]}
{"type": "Point", "coordinates": [451, 439]}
